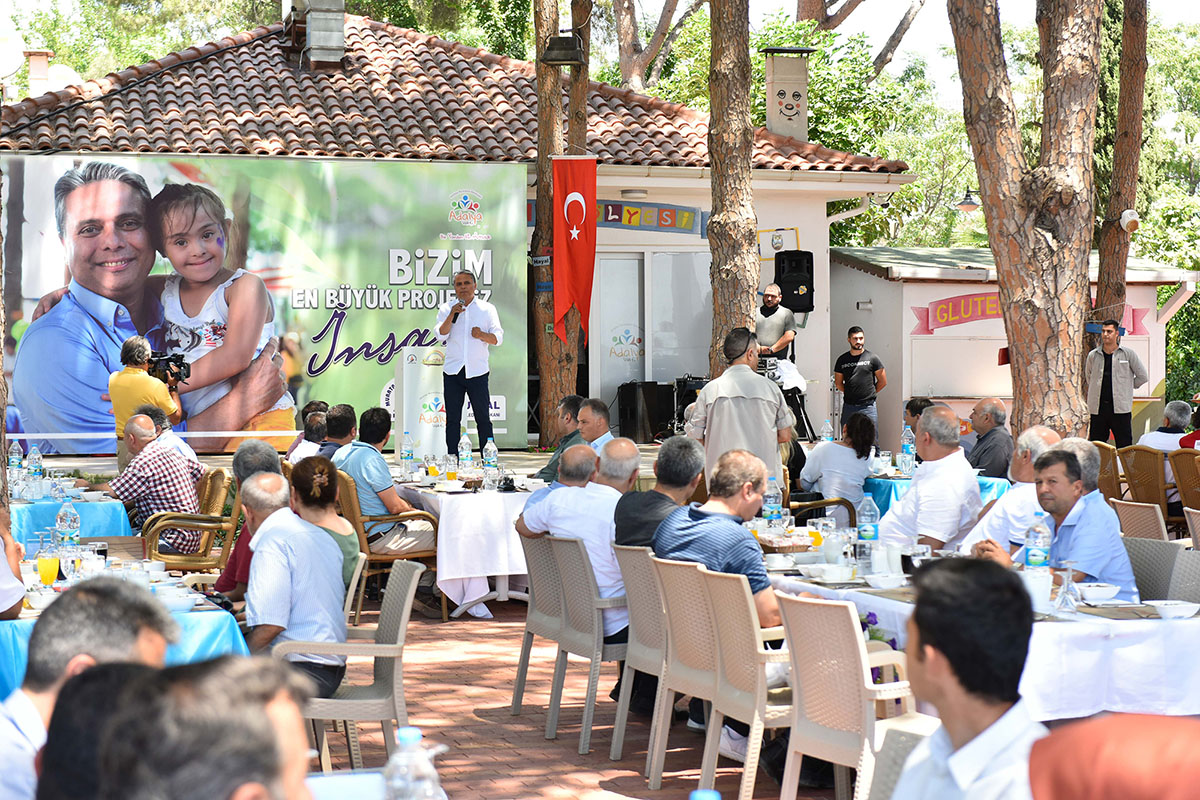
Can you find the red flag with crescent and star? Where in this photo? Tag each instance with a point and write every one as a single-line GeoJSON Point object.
{"type": "Point", "coordinates": [574, 238]}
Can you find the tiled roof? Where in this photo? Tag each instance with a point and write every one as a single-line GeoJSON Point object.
{"type": "Point", "coordinates": [400, 94]}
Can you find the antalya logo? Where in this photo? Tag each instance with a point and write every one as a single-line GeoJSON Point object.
{"type": "Point", "coordinates": [776, 241]}
{"type": "Point", "coordinates": [433, 410]}
{"type": "Point", "coordinates": [464, 207]}
{"type": "Point", "coordinates": [626, 343]}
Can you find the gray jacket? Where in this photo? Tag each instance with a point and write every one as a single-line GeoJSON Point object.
{"type": "Point", "coordinates": [1128, 373]}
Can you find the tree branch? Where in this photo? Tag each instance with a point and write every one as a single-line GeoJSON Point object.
{"type": "Point", "coordinates": [644, 58]}
{"type": "Point", "coordinates": [893, 42]}
{"type": "Point", "coordinates": [831, 21]}
{"type": "Point", "coordinates": [669, 42]}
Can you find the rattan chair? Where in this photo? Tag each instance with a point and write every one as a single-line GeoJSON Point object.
{"type": "Point", "coordinates": [1145, 473]}
{"type": "Point", "coordinates": [1185, 577]}
{"type": "Point", "coordinates": [1140, 520]}
{"type": "Point", "coordinates": [380, 563]}
{"type": "Point", "coordinates": [582, 632]}
{"type": "Point", "coordinates": [1153, 564]}
{"type": "Point", "coordinates": [285, 467]}
{"type": "Point", "coordinates": [383, 698]}
{"type": "Point", "coordinates": [212, 526]}
{"type": "Point", "coordinates": [544, 616]}
{"type": "Point", "coordinates": [646, 650]}
{"type": "Point", "coordinates": [742, 691]}
{"type": "Point", "coordinates": [889, 762]}
{"type": "Point", "coordinates": [799, 507]}
{"type": "Point", "coordinates": [834, 703]}
{"type": "Point", "coordinates": [691, 665]}
{"type": "Point", "coordinates": [212, 490]}
{"type": "Point", "coordinates": [1186, 471]}
{"type": "Point", "coordinates": [1110, 471]}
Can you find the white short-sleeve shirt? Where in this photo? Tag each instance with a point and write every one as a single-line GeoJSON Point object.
{"type": "Point", "coordinates": [942, 503]}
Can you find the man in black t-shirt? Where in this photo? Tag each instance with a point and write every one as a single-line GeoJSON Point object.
{"type": "Point", "coordinates": [860, 376]}
{"type": "Point", "coordinates": [678, 467]}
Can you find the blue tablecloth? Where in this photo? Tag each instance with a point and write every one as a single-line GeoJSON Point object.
{"type": "Point", "coordinates": [105, 518]}
{"type": "Point", "coordinates": [886, 491]}
{"type": "Point", "coordinates": [203, 635]}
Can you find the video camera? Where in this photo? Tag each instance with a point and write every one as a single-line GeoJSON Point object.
{"type": "Point", "coordinates": [164, 366]}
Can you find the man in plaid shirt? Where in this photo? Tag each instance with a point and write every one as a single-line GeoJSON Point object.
{"type": "Point", "coordinates": [158, 478]}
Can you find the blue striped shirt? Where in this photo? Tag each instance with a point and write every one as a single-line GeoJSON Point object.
{"type": "Point", "coordinates": [718, 541]}
{"type": "Point", "coordinates": [296, 584]}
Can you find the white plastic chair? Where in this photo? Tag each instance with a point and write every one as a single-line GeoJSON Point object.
{"type": "Point", "coordinates": [834, 696]}
{"type": "Point", "coordinates": [352, 589]}
{"type": "Point", "coordinates": [692, 660]}
{"type": "Point", "coordinates": [1140, 520]}
{"type": "Point", "coordinates": [889, 762]}
{"type": "Point", "coordinates": [383, 698]}
{"type": "Point", "coordinates": [544, 615]}
{"type": "Point", "coordinates": [647, 647]}
{"type": "Point", "coordinates": [1153, 564]}
{"type": "Point", "coordinates": [582, 631]}
{"type": "Point", "coordinates": [742, 689]}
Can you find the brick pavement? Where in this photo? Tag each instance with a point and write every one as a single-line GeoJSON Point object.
{"type": "Point", "coordinates": [458, 685]}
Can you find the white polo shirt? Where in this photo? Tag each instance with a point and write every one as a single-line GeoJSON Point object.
{"type": "Point", "coordinates": [942, 503]}
{"type": "Point", "coordinates": [463, 349]}
{"type": "Point", "coordinates": [1013, 514]}
{"type": "Point", "coordinates": [22, 734]}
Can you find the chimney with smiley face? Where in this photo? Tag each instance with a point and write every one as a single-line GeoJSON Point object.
{"type": "Point", "coordinates": [787, 90]}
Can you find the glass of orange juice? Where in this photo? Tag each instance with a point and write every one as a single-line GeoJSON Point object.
{"type": "Point", "coordinates": [47, 565]}
{"type": "Point", "coordinates": [451, 468]}
{"type": "Point", "coordinates": [431, 466]}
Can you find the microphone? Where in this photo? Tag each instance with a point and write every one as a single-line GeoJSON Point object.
{"type": "Point", "coordinates": [454, 318]}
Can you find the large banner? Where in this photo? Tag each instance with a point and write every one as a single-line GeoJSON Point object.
{"type": "Point", "coordinates": [344, 262]}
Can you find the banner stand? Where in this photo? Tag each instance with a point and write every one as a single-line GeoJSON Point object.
{"type": "Point", "coordinates": [419, 406]}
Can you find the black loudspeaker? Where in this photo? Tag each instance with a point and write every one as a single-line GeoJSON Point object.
{"type": "Point", "coordinates": [794, 274]}
{"type": "Point", "coordinates": [644, 409]}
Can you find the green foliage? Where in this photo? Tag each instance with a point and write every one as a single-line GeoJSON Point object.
{"type": "Point", "coordinates": [506, 25]}
{"type": "Point", "coordinates": [1171, 234]}
{"type": "Point", "coordinates": [394, 12]}
{"type": "Point", "coordinates": [1176, 60]}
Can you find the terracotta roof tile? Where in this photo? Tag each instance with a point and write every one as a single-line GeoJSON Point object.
{"type": "Point", "coordinates": [402, 94]}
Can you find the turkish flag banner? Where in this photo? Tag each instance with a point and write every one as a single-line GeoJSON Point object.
{"type": "Point", "coordinates": [574, 238]}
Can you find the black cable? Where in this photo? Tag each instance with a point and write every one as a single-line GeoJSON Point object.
{"type": "Point", "coordinates": [126, 87]}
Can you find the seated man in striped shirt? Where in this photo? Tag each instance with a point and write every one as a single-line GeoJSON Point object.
{"type": "Point", "coordinates": [296, 590]}
{"type": "Point", "coordinates": [158, 478]}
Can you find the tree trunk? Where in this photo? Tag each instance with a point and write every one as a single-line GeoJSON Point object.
{"type": "Point", "coordinates": [819, 10]}
{"type": "Point", "coordinates": [893, 42]}
{"type": "Point", "coordinates": [5, 520]}
{"type": "Point", "coordinates": [12, 244]}
{"type": "Point", "coordinates": [555, 360]}
{"type": "Point", "coordinates": [629, 44]}
{"type": "Point", "coordinates": [731, 228]}
{"type": "Point", "coordinates": [239, 236]}
{"type": "Point", "coordinates": [1127, 151]}
{"type": "Point", "coordinates": [1039, 219]}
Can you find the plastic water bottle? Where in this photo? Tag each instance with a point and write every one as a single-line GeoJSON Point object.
{"type": "Point", "coordinates": [868, 520]}
{"type": "Point", "coordinates": [410, 774]}
{"type": "Point", "coordinates": [406, 452]}
{"type": "Point", "coordinates": [66, 524]}
{"type": "Point", "coordinates": [704, 794]}
{"type": "Point", "coordinates": [464, 451]}
{"type": "Point", "coordinates": [827, 431]}
{"type": "Point", "coordinates": [773, 504]}
{"type": "Point", "coordinates": [908, 451]}
{"type": "Point", "coordinates": [35, 464]}
{"type": "Point", "coordinates": [15, 456]}
{"type": "Point", "coordinates": [491, 455]}
{"type": "Point", "coordinates": [1037, 545]}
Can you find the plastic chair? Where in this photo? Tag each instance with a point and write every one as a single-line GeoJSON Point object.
{"type": "Point", "coordinates": [383, 698]}
{"type": "Point", "coordinates": [380, 563]}
{"type": "Point", "coordinates": [582, 632]}
{"type": "Point", "coordinates": [1146, 474]}
{"type": "Point", "coordinates": [351, 590]}
{"type": "Point", "coordinates": [1192, 516]}
{"type": "Point", "coordinates": [646, 650]}
{"type": "Point", "coordinates": [1110, 472]}
{"type": "Point", "coordinates": [834, 702]}
{"type": "Point", "coordinates": [889, 762]}
{"type": "Point", "coordinates": [544, 616]}
{"type": "Point", "coordinates": [1185, 577]}
{"type": "Point", "coordinates": [1187, 475]}
{"type": "Point", "coordinates": [1140, 520]}
{"type": "Point", "coordinates": [691, 666]}
{"type": "Point", "coordinates": [199, 580]}
{"type": "Point", "coordinates": [742, 689]}
{"type": "Point", "coordinates": [1153, 563]}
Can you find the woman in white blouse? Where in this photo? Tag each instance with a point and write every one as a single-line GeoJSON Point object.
{"type": "Point", "coordinates": [839, 468]}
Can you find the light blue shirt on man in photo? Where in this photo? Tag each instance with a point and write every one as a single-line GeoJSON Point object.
{"type": "Point", "coordinates": [1090, 537]}
{"type": "Point", "coordinates": [63, 364]}
{"type": "Point", "coordinates": [604, 439]}
{"type": "Point", "coordinates": [369, 469]}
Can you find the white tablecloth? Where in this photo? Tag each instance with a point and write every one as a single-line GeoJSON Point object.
{"type": "Point", "coordinates": [476, 539]}
{"type": "Point", "coordinates": [1079, 667]}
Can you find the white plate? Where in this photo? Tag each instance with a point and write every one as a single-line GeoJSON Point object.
{"type": "Point", "coordinates": [784, 568]}
{"type": "Point", "coordinates": [829, 582]}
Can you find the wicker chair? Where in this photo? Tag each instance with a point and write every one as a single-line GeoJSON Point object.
{"type": "Point", "coordinates": [691, 666]}
{"type": "Point", "coordinates": [1153, 564]}
{"type": "Point", "coordinates": [544, 616]}
{"type": "Point", "coordinates": [1140, 520]}
{"type": "Point", "coordinates": [889, 762]}
{"type": "Point", "coordinates": [798, 507]}
{"type": "Point", "coordinates": [1192, 516]}
{"type": "Point", "coordinates": [1110, 471]}
{"type": "Point", "coordinates": [582, 632]}
{"type": "Point", "coordinates": [1145, 472]}
{"type": "Point", "coordinates": [742, 691]}
{"type": "Point", "coordinates": [380, 563]}
{"type": "Point", "coordinates": [1186, 470]}
{"type": "Point", "coordinates": [212, 490]}
{"type": "Point", "coordinates": [211, 523]}
{"type": "Point", "coordinates": [1185, 577]}
{"type": "Point", "coordinates": [383, 698]}
{"type": "Point", "coordinates": [834, 707]}
{"type": "Point", "coordinates": [646, 651]}
{"type": "Point", "coordinates": [352, 588]}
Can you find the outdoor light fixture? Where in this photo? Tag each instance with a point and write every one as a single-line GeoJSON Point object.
{"type": "Point", "coordinates": [634, 194]}
{"type": "Point", "coordinates": [564, 51]}
{"type": "Point", "coordinates": [968, 203]}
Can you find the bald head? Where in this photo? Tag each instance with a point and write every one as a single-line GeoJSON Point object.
{"type": "Point", "coordinates": [619, 463]}
{"type": "Point", "coordinates": [265, 492]}
{"type": "Point", "coordinates": [577, 465]}
{"type": "Point", "coordinates": [139, 432]}
{"type": "Point", "coordinates": [988, 413]}
{"type": "Point", "coordinates": [1029, 447]}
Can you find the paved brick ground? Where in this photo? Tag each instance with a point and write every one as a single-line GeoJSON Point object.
{"type": "Point", "coordinates": [458, 682]}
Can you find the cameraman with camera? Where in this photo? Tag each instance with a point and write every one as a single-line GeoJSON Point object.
{"type": "Point", "coordinates": [135, 386]}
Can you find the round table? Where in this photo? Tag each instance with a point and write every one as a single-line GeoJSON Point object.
{"type": "Point", "coordinates": [886, 491]}
{"type": "Point", "coordinates": [100, 518]}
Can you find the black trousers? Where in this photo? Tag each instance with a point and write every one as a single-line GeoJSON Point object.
{"type": "Point", "coordinates": [1121, 426]}
{"type": "Point", "coordinates": [457, 387]}
{"type": "Point", "coordinates": [327, 677]}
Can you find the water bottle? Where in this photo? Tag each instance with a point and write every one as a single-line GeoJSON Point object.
{"type": "Point", "coordinates": [15, 456]}
{"type": "Point", "coordinates": [491, 455]}
{"type": "Point", "coordinates": [908, 451]}
{"type": "Point", "coordinates": [773, 504]}
{"type": "Point", "coordinates": [410, 774]}
{"type": "Point", "coordinates": [34, 471]}
{"type": "Point", "coordinates": [1037, 545]}
{"type": "Point", "coordinates": [868, 520]}
{"type": "Point", "coordinates": [827, 431]}
{"type": "Point", "coordinates": [66, 524]}
{"type": "Point", "coordinates": [704, 794]}
{"type": "Point", "coordinates": [464, 452]}
{"type": "Point", "coordinates": [406, 452]}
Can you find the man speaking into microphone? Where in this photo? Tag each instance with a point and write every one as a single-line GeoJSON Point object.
{"type": "Point", "coordinates": [467, 326]}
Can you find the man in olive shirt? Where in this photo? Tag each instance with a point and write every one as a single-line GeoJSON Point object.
{"type": "Point", "coordinates": [677, 468]}
{"type": "Point", "coordinates": [568, 429]}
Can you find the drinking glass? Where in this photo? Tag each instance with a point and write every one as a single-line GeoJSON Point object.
{"type": "Point", "coordinates": [883, 461]}
{"type": "Point", "coordinates": [431, 466]}
{"type": "Point", "coordinates": [491, 479]}
{"type": "Point", "coordinates": [1068, 595]}
{"type": "Point", "coordinates": [69, 562]}
{"type": "Point", "coordinates": [48, 564]}
{"type": "Point", "coordinates": [451, 468]}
